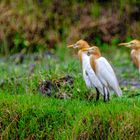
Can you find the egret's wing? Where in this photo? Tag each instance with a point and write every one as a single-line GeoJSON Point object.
{"type": "Point", "coordinates": [85, 66]}
{"type": "Point", "coordinates": [87, 80]}
{"type": "Point", "coordinates": [89, 75]}
{"type": "Point", "coordinates": [106, 73]}
{"type": "Point", "coordinates": [95, 82]}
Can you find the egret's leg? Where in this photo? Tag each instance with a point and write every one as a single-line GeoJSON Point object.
{"type": "Point", "coordinates": [98, 94]}
{"type": "Point", "coordinates": [108, 95]}
{"type": "Point", "coordinates": [105, 94]}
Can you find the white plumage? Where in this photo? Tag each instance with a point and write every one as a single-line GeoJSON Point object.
{"type": "Point", "coordinates": [97, 72]}
{"type": "Point", "coordinates": [106, 75]}
{"type": "Point", "coordinates": [89, 75]}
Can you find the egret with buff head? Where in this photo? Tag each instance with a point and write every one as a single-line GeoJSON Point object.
{"type": "Point", "coordinates": [104, 72]}
{"type": "Point", "coordinates": [135, 52]}
{"type": "Point", "coordinates": [89, 75]}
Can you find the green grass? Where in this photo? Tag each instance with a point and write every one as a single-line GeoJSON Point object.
{"type": "Point", "coordinates": [26, 114]}
{"type": "Point", "coordinates": [33, 116]}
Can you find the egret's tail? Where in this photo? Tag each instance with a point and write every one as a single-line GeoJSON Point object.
{"type": "Point", "coordinates": [119, 92]}
{"type": "Point", "coordinates": [106, 93]}
{"type": "Point", "coordinates": [101, 90]}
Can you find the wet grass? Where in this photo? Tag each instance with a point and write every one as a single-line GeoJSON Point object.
{"type": "Point", "coordinates": [27, 114]}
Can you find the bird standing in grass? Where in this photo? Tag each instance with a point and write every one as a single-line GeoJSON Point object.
{"type": "Point", "coordinates": [104, 72]}
{"type": "Point", "coordinates": [135, 52]}
{"type": "Point", "coordinates": [89, 75]}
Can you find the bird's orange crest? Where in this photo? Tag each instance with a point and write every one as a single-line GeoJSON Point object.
{"type": "Point", "coordinates": [79, 44]}
{"type": "Point", "coordinates": [94, 51]}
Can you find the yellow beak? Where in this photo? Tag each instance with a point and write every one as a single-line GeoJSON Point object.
{"type": "Point", "coordinates": [70, 46]}
{"type": "Point", "coordinates": [124, 44]}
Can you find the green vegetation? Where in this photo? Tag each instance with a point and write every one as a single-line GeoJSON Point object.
{"type": "Point", "coordinates": [37, 25]}
{"type": "Point", "coordinates": [35, 117]}
{"type": "Point", "coordinates": [26, 113]}
{"type": "Point", "coordinates": [42, 92]}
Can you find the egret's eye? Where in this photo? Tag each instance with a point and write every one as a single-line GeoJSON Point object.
{"type": "Point", "coordinates": [93, 49]}
{"type": "Point", "coordinates": [132, 43]}
{"type": "Point", "coordinates": [88, 53]}
{"type": "Point", "coordinates": [77, 44]}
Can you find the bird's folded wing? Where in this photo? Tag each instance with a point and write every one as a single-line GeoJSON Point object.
{"type": "Point", "coordinates": [86, 78]}
{"type": "Point", "coordinates": [92, 76]}
{"type": "Point", "coordinates": [107, 75]}
{"type": "Point", "coordinates": [106, 72]}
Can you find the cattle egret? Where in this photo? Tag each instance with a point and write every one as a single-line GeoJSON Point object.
{"type": "Point", "coordinates": [104, 72]}
{"type": "Point", "coordinates": [135, 52]}
{"type": "Point", "coordinates": [89, 75]}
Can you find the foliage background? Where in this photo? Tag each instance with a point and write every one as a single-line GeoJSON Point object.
{"type": "Point", "coordinates": [36, 25]}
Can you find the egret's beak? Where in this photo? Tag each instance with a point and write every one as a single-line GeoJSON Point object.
{"type": "Point", "coordinates": [70, 46]}
{"type": "Point", "coordinates": [73, 46]}
{"type": "Point", "coordinates": [125, 44]}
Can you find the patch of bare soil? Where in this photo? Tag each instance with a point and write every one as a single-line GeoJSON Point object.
{"type": "Point", "coordinates": [52, 87]}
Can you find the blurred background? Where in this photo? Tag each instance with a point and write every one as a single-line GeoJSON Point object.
{"type": "Point", "coordinates": [38, 25]}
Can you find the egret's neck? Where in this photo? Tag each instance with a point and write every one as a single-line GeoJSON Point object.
{"type": "Point", "coordinates": [137, 48]}
{"type": "Point", "coordinates": [93, 59]}
{"type": "Point", "coordinates": [135, 51]}
{"type": "Point", "coordinates": [96, 55]}
{"type": "Point", "coordinates": [84, 58]}
{"type": "Point", "coordinates": [80, 55]}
